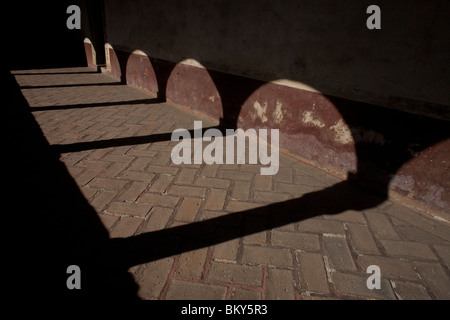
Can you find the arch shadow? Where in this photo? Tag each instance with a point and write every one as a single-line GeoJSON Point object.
{"type": "Point", "coordinates": [376, 164]}
{"type": "Point", "coordinates": [58, 227]}
{"type": "Point", "coordinates": [65, 229]}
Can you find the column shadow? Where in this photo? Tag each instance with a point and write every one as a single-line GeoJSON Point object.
{"type": "Point", "coordinates": [18, 73]}
{"type": "Point", "coordinates": [73, 85]}
{"type": "Point", "coordinates": [96, 104]}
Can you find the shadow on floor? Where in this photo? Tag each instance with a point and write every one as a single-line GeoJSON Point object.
{"type": "Point", "coordinates": [73, 85]}
{"type": "Point", "coordinates": [53, 226]}
{"type": "Point", "coordinates": [96, 105]}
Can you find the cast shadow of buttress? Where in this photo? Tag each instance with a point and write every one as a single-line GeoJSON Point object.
{"type": "Point", "coordinates": [58, 227]}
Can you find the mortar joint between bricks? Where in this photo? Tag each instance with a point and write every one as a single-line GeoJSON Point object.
{"type": "Point", "coordinates": [328, 269]}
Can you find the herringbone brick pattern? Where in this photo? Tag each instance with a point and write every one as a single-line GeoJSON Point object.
{"type": "Point", "coordinates": [106, 134]}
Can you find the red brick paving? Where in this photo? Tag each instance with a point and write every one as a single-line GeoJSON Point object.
{"type": "Point", "coordinates": [135, 189]}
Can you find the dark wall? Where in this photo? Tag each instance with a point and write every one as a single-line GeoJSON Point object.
{"type": "Point", "coordinates": [322, 44]}
{"type": "Point", "coordinates": [37, 36]}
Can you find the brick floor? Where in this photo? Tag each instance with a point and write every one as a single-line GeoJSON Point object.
{"type": "Point", "coordinates": [115, 142]}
